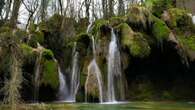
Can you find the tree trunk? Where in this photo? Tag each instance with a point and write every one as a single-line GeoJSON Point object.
{"type": "Point", "coordinates": [105, 8]}
{"type": "Point", "coordinates": [14, 14]}
{"type": "Point", "coordinates": [2, 3]}
{"type": "Point", "coordinates": [87, 5]}
{"type": "Point", "coordinates": [121, 8]}
{"type": "Point", "coordinates": [7, 9]}
{"type": "Point", "coordinates": [111, 7]}
{"type": "Point", "coordinates": [61, 6]}
{"type": "Point", "coordinates": [43, 10]}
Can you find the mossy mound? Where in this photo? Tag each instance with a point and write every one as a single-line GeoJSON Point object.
{"type": "Point", "coordinates": [139, 18]}
{"type": "Point", "coordinates": [187, 45]}
{"type": "Point", "coordinates": [50, 74]}
{"type": "Point", "coordinates": [26, 49]}
{"type": "Point", "coordinates": [36, 37]}
{"type": "Point", "coordinates": [98, 25]}
{"type": "Point", "coordinates": [180, 19]}
{"type": "Point", "coordinates": [83, 42]}
{"type": "Point", "coordinates": [49, 67]}
{"type": "Point", "coordinates": [114, 21]}
{"type": "Point", "coordinates": [54, 23]}
{"type": "Point", "coordinates": [188, 41]}
{"type": "Point", "coordinates": [135, 42]}
{"type": "Point", "coordinates": [81, 25]}
{"type": "Point", "coordinates": [9, 36]}
{"type": "Point", "coordinates": [158, 6]}
{"type": "Point", "coordinates": [160, 30]}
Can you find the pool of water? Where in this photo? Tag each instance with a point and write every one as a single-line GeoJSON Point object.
{"type": "Point", "coordinates": [107, 106]}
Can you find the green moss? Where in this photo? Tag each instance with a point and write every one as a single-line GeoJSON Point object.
{"type": "Point", "coordinates": [160, 30]}
{"type": "Point", "coordinates": [180, 19]}
{"type": "Point", "coordinates": [82, 38]}
{"type": "Point", "coordinates": [158, 6]}
{"type": "Point", "coordinates": [20, 34]}
{"type": "Point", "coordinates": [26, 49]}
{"type": "Point", "coordinates": [83, 42]}
{"type": "Point", "coordinates": [98, 24]}
{"type": "Point", "coordinates": [114, 21]}
{"type": "Point", "coordinates": [32, 27]}
{"type": "Point", "coordinates": [189, 42]}
{"type": "Point", "coordinates": [135, 42]}
{"type": "Point", "coordinates": [50, 74]}
{"type": "Point", "coordinates": [139, 18]}
{"type": "Point", "coordinates": [43, 26]}
{"type": "Point", "coordinates": [36, 37]}
{"type": "Point", "coordinates": [48, 54]}
{"type": "Point", "coordinates": [54, 23]}
{"type": "Point", "coordinates": [81, 26]}
{"type": "Point", "coordinates": [5, 29]}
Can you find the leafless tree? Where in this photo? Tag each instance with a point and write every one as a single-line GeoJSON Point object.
{"type": "Point", "coordinates": [14, 13]}
{"type": "Point", "coordinates": [7, 8]}
{"type": "Point", "coordinates": [121, 7]}
{"type": "Point", "coordinates": [31, 6]}
{"type": "Point", "coordinates": [87, 6]}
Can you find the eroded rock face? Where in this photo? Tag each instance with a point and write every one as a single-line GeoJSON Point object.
{"type": "Point", "coordinates": [92, 84]}
{"type": "Point", "coordinates": [40, 63]}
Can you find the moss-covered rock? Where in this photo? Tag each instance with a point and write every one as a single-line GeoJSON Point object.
{"type": "Point", "coordinates": [98, 25]}
{"type": "Point", "coordinates": [48, 54]}
{"type": "Point", "coordinates": [160, 30]}
{"type": "Point", "coordinates": [36, 37]}
{"type": "Point", "coordinates": [26, 49]}
{"type": "Point", "coordinates": [81, 25]}
{"type": "Point", "coordinates": [179, 19]}
{"type": "Point", "coordinates": [158, 6]}
{"type": "Point", "coordinates": [139, 18]}
{"type": "Point", "coordinates": [49, 67]}
{"type": "Point", "coordinates": [50, 74]}
{"type": "Point", "coordinates": [54, 23]}
{"type": "Point", "coordinates": [188, 41]}
{"type": "Point", "coordinates": [83, 42]}
{"type": "Point", "coordinates": [114, 21]}
{"type": "Point", "coordinates": [135, 42]}
{"type": "Point", "coordinates": [187, 45]}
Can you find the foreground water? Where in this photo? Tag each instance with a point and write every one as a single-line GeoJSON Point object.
{"type": "Point", "coordinates": [121, 106]}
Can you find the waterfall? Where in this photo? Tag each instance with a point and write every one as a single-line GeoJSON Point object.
{"type": "Point", "coordinates": [89, 27]}
{"type": "Point", "coordinates": [67, 94]}
{"type": "Point", "coordinates": [114, 70]}
{"type": "Point", "coordinates": [94, 71]}
{"type": "Point", "coordinates": [37, 73]}
{"type": "Point", "coordinates": [75, 79]}
{"type": "Point", "coordinates": [193, 19]}
{"type": "Point", "coordinates": [63, 88]}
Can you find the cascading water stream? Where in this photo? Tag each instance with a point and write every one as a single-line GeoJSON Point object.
{"type": "Point", "coordinates": [75, 75]}
{"type": "Point", "coordinates": [93, 70]}
{"type": "Point", "coordinates": [63, 88]}
{"type": "Point", "coordinates": [67, 94]}
{"type": "Point", "coordinates": [193, 19]}
{"type": "Point", "coordinates": [89, 27]}
{"type": "Point", "coordinates": [37, 73]}
{"type": "Point", "coordinates": [114, 70]}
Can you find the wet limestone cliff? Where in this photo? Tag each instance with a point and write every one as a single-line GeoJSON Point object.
{"type": "Point", "coordinates": [155, 42]}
